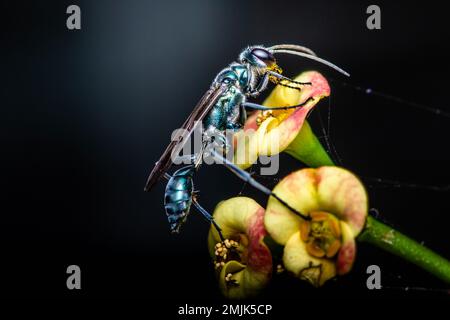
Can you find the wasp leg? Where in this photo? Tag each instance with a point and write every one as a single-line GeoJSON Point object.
{"type": "Point", "coordinates": [194, 159]}
{"type": "Point", "coordinates": [281, 77]}
{"type": "Point", "coordinates": [186, 159]}
{"type": "Point", "coordinates": [255, 106]}
{"type": "Point", "coordinates": [261, 86]}
{"type": "Point", "coordinates": [214, 139]}
{"type": "Point", "coordinates": [272, 75]}
{"type": "Point", "coordinates": [245, 176]}
{"type": "Point", "coordinates": [209, 218]}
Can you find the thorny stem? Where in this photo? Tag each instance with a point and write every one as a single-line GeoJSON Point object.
{"type": "Point", "coordinates": [308, 149]}
{"type": "Point", "coordinates": [389, 239]}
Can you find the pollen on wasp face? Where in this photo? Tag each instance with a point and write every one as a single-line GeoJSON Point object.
{"type": "Point", "coordinates": [275, 68]}
{"type": "Point", "coordinates": [321, 234]}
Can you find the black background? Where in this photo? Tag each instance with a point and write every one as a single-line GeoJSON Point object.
{"type": "Point", "coordinates": [86, 113]}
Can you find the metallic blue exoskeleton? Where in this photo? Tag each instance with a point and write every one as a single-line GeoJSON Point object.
{"type": "Point", "coordinates": [178, 197]}
{"type": "Point", "coordinates": [223, 107]}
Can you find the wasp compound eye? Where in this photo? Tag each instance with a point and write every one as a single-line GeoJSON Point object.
{"type": "Point", "coordinates": [264, 55]}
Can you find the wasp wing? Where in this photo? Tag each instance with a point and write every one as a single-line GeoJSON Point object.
{"type": "Point", "coordinates": [198, 114]}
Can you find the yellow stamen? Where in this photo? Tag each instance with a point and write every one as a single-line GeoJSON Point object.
{"type": "Point", "coordinates": [321, 234]}
{"type": "Point", "coordinates": [305, 229]}
{"type": "Point", "coordinates": [319, 216]}
{"type": "Point", "coordinates": [335, 227]}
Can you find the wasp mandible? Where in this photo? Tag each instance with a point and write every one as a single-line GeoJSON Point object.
{"type": "Point", "coordinates": [223, 107]}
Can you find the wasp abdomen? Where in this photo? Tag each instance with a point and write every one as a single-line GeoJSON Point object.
{"type": "Point", "coordinates": [178, 197]}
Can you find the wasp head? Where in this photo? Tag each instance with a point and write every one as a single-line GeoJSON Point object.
{"type": "Point", "coordinates": [259, 58]}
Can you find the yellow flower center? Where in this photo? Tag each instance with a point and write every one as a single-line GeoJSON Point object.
{"type": "Point", "coordinates": [262, 116]}
{"type": "Point", "coordinates": [321, 234]}
{"type": "Point", "coordinates": [280, 115]}
{"type": "Point", "coordinates": [230, 250]}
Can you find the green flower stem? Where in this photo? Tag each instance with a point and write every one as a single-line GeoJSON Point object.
{"type": "Point", "coordinates": [308, 149]}
{"type": "Point", "coordinates": [394, 242]}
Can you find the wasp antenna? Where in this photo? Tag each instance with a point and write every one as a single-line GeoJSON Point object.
{"type": "Point", "coordinates": [308, 56]}
{"type": "Point", "coordinates": [293, 47]}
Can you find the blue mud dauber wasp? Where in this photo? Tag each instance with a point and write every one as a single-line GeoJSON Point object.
{"type": "Point", "coordinates": [223, 107]}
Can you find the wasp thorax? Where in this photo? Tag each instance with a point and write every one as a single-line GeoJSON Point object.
{"type": "Point", "coordinates": [321, 234]}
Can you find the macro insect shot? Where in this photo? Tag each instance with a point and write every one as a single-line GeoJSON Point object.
{"type": "Point", "coordinates": [225, 158]}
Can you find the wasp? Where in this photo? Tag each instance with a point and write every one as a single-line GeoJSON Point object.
{"type": "Point", "coordinates": [224, 107]}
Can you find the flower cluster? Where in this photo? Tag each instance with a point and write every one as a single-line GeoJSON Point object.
{"type": "Point", "coordinates": [332, 200]}
{"type": "Point", "coordinates": [335, 202]}
{"type": "Point", "coordinates": [315, 249]}
{"type": "Point", "coordinates": [322, 210]}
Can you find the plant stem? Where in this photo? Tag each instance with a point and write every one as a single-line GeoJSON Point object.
{"type": "Point", "coordinates": [391, 240]}
{"type": "Point", "coordinates": [308, 149]}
